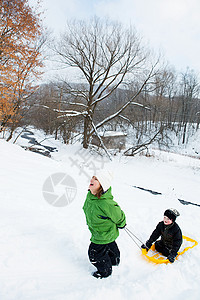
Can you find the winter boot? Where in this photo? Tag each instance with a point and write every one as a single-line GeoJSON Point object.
{"type": "Point", "coordinates": [97, 275]}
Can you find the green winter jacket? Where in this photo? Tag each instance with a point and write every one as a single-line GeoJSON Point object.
{"type": "Point", "coordinates": [103, 217]}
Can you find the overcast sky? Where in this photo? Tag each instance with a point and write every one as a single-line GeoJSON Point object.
{"type": "Point", "coordinates": [172, 26]}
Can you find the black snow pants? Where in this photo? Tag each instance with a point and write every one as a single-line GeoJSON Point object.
{"type": "Point", "coordinates": [103, 257]}
{"type": "Point", "coordinates": [160, 247]}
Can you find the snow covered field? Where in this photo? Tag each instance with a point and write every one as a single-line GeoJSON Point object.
{"type": "Point", "coordinates": [43, 251]}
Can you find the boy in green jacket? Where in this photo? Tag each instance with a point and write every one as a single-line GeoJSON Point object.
{"type": "Point", "coordinates": [103, 217]}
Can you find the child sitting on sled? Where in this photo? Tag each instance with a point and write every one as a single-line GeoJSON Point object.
{"type": "Point", "coordinates": [103, 216]}
{"type": "Point", "coordinates": [170, 233]}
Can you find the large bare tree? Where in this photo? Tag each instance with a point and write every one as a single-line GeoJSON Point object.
{"type": "Point", "coordinates": [106, 56]}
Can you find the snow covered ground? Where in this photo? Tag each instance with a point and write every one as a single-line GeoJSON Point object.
{"type": "Point", "coordinates": [43, 248]}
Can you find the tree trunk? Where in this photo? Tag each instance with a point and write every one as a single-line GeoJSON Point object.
{"type": "Point", "coordinates": [184, 133]}
{"type": "Point", "coordinates": [10, 136]}
{"type": "Point", "coordinates": [86, 132]}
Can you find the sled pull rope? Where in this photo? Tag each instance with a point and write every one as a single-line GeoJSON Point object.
{"type": "Point", "coordinates": [132, 236]}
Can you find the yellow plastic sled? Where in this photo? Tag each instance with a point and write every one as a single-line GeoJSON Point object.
{"type": "Point", "coordinates": [156, 257]}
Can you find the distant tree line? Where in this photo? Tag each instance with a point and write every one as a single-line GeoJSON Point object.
{"type": "Point", "coordinates": [172, 105]}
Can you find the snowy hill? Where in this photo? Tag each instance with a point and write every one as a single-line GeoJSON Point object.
{"type": "Point", "coordinates": [44, 248]}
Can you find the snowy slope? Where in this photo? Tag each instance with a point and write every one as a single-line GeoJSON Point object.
{"type": "Point", "coordinates": [43, 252]}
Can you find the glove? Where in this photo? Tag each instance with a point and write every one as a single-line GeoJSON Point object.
{"type": "Point", "coordinates": [171, 258]}
{"type": "Point", "coordinates": [121, 227]}
{"type": "Point", "coordinates": [147, 245]}
{"type": "Point", "coordinates": [144, 247]}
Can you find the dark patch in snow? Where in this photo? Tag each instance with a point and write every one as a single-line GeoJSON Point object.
{"type": "Point", "coordinates": [146, 190]}
{"type": "Point", "coordinates": [44, 150]}
{"type": "Point", "coordinates": [158, 193]}
{"type": "Point", "coordinates": [187, 202]}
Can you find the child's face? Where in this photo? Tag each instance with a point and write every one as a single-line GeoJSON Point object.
{"type": "Point", "coordinates": [94, 185]}
{"type": "Point", "coordinates": [167, 221]}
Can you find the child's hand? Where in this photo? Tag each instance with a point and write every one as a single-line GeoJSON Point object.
{"type": "Point", "coordinates": [146, 246]}
{"type": "Point", "coordinates": [121, 227]}
{"type": "Point", "coordinates": [171, 258]}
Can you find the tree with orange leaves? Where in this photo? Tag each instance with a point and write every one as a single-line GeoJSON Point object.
{"type": "Point", "coordinates": [21, 41]}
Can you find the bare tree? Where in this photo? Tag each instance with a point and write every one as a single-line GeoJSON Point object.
{"type": "Point", "coordinates": [106, 56]}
